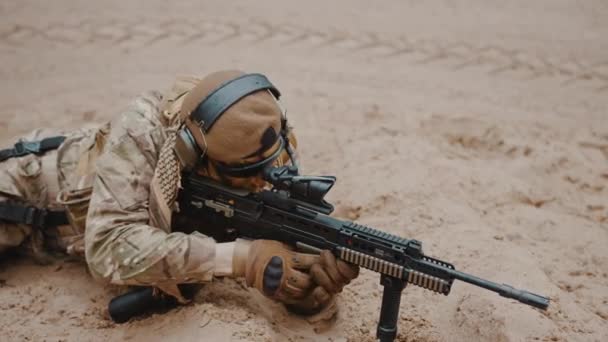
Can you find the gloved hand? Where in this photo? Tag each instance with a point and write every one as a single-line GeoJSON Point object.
{"type": "Point", "coordinates": [330, 276]}
{"type": "Point", "coordinates": [306, 283]}
{"type": "Point", "coordinates": [333, 274]}
{"type": "Point", "coordinates": [274, 269]}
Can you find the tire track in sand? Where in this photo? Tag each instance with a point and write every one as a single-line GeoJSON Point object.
{"type": "Point", "coordinates": [130, 34]}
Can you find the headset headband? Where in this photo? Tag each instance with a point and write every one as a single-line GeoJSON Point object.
{"type": "Point", "coordinates": [227, 94]}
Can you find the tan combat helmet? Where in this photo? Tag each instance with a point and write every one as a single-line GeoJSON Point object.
{"type": "Point", "coordinates": [233, 123]}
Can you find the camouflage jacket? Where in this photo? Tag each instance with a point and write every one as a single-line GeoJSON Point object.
{"type": "Point", "coordinates": [128, 239]}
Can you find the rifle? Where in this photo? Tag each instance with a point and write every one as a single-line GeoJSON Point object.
{"type": "Point", "coordinates": [295, 212]}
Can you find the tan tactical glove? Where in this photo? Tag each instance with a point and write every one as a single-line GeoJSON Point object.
{"type": "Point", "coordinates": [306, 283]}
{"type": "Point", "coordinates": [330, 275]}
{"type": "Point", "coordinates": [274, 269]}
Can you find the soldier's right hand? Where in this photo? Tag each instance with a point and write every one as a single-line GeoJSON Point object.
{"type": "Point", "coordinates": [275, 269]}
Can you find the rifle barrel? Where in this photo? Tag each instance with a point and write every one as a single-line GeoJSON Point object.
{"type": "Point", "coordinates": [504, 290]}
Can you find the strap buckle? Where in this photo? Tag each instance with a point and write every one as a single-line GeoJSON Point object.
{"type": "Point", "coordinates": [23, 148]}
{"type": "Point", "coordinates": [35, 217]}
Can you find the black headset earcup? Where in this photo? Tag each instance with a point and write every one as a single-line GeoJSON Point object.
{"type": "Point", "coordinates": [187, 149]}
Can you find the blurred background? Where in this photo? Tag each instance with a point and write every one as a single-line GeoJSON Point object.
{"type": "Point", "coordinates": [478, 127]}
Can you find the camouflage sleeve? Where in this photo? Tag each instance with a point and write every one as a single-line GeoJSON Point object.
{"type": "Point", "coordinates": [120, 246]}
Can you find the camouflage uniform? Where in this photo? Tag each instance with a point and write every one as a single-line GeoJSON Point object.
{"type": "Point", "coordinates": [127, 174]}
{"type": "Point", "coordinates": [50, 181]}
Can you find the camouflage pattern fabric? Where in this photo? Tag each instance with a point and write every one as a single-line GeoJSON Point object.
{"type": "Point", "coordinates": [121, 245]}
{"type": "Point", "coordinates": [33, 180]}
{"type": "Point", "coordinates": [118, 183]}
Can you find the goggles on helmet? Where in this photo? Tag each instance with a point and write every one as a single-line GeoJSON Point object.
{"type": "Point", "coordinates": [249, 170]}
{"type": "Point", "coordinates": [256, 168]}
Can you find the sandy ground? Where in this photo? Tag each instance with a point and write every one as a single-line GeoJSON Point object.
{"type": "Point", "coordinates": [479, 127]}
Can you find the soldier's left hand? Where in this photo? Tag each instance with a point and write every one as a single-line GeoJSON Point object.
{"type": "Point", "coordinates": [330, 276]}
